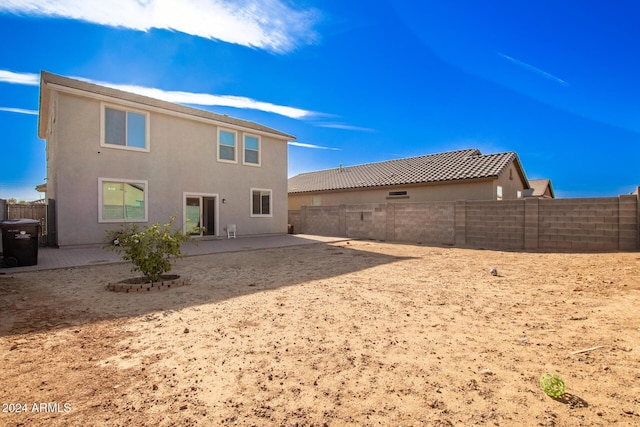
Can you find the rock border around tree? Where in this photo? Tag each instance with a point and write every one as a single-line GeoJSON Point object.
{"type": "Point", "coordinates": [142, 284]}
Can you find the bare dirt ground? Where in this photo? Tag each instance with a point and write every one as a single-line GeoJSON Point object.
{"type": "Point", "coordinates": [352, 333]}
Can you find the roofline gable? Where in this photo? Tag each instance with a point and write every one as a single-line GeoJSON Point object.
{"type": "Point", "coordinates": [50, 81]}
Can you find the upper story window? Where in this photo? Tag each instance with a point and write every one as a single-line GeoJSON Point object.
{"type": "Point", "coordinates": [125, 129]}
{"type": "Point", "coordinates": [227, 146]}
{"type": "Point", "coordinates": [252, 150]}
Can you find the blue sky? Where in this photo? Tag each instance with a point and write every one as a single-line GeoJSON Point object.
{"type": "Point", "coordinates": [355, 81]}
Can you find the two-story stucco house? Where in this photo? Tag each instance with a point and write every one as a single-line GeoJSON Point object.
{"type": "Point", "coordinates": [115, 157]}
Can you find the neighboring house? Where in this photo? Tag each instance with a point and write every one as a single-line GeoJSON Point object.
{"type": "Point", "coordinates": [456, 175]}
{"type": "Point", "coordinates": [540, 188]}
{"type": "Point", "coordinates": [42, 188]}
{"type": "Point", "coordinates": [115, 157]}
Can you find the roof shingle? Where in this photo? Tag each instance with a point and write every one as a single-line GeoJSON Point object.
{"type": "Point", "coordinates": [441, 167]}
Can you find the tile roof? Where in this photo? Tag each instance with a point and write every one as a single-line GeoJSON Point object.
{"type": "Point", "coordinates": [79, 85]}
{"type": "Point", "coordinates": [441, 167]}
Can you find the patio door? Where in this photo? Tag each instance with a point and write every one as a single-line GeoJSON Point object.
{"type": "Point", "coordinates": [200, 213]}
{"type": "Point", "coordinates": [209, 216]}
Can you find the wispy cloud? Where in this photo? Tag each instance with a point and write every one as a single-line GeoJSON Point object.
{"type": "Point", "coordinates": [19, 110]}
{"type": "Point", "coordinates": [29, 79]}
{"type": "Point", "coordinates": [179, 97]}
{"type": "Point", "coordinates": [534, 69]}
{"type": "Point", "coordinates": [315, 147]}
{"type": "Point", "coordinates": [206, 99]}
{"type": "Point", "coordinates": [272, 25]}
{"type": "Point", "coordinates": [345, 127]}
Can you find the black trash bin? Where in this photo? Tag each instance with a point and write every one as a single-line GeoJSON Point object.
{"type": "Point", "coordinates": [20, 242]}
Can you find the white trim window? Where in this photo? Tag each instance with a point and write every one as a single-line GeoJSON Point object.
{"type": "Point", "coordinates": [122, 200]}
{"type": "Point", "coordinates": [227, 146]}
{"type": "Point", "coordinates": [251, 150]}
{"type": "Point", "coordinates": [124, 128]}
{"type": "Point", "coordinates": [261, 202]}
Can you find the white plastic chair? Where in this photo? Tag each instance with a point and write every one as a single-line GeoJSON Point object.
{"type": "Point", "coordinates": [231, 231]}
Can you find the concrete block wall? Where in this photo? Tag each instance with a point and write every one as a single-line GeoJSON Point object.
{"type": "Point", "coordinates": [322, 220]}
{"type": "Point", "coordinates": [406, 222]}
{"type": "Point", "coordinates": [428, 222]}
{"type": "Point", "coordinates": [593, 224]}
{"type": "Point", "coordinates": [578, 224]}
{"type": "Point", "coordinates": [531, 223]}
{"type": "Point", "coordinates": [629, 222]}
{"type": "Point", "coordinates": [295, 221]}
{"type": "Point", "coordinates": [460, 221]}
{"type": "Point", "coordinates": [366, 221]}
{"type": "Point", "coordinates": [491, 224]}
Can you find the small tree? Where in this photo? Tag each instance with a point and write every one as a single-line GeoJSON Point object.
{"type": "Point", "coordinates": [150, 249]}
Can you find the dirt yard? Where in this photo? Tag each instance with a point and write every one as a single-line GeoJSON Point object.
{"type": "Point", "coordinates": [352, 333]}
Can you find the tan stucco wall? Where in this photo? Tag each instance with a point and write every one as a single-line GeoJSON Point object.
{"type": "Point", "coordinates": [484, 190]}
{"type": "Point", "coordinates": [511, 183]}
{"type": "Point", "coordinates": [182, 159]}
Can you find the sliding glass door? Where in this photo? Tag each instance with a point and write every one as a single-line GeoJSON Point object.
{"type": "Point", "coordinates": [200, 215]}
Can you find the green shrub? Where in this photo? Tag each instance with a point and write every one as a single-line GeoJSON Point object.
{"type": "Point", "coordinates": [151, 249]}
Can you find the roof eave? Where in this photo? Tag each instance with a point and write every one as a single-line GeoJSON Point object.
{"type": "Point", "coordinates": [407, 184]}
{"type": "Point", "coordinates": [521, 172]}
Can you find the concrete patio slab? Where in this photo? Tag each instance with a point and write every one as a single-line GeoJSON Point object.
{"type": "Point", "coordinates": [53, 258]}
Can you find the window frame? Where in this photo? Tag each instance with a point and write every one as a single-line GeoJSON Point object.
{"type": "Point", "coordinates": [101, 182]}
{"type": "Point", "coordinates": [261, 190]}
{"type": "Point", "coordinates": [235, 145]}
{"type": "Point", "coordinates": [244, 149]}
{"type": "Point", "coordinates": [103, 127]}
